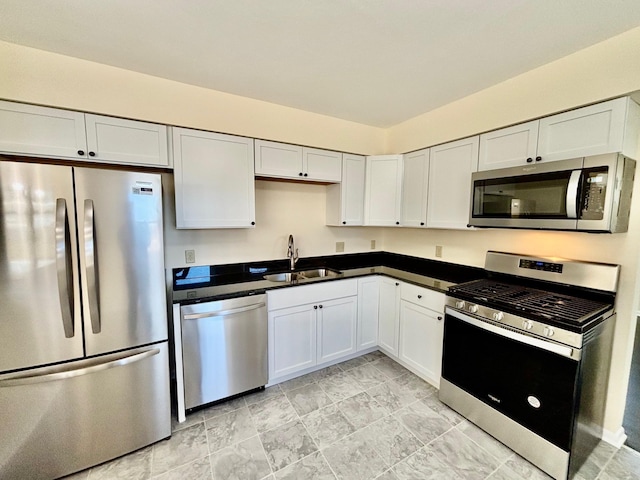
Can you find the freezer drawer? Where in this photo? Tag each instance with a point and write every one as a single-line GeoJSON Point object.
{"type": "Point", "coordinates": [224, 348]}
{"type": "Point", "coordinates": [58, 420]}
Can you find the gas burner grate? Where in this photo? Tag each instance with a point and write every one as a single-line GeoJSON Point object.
{"type": "Point", "coordinates": [531, 301]}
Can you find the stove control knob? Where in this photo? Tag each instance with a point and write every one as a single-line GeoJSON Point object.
{"type": "Point", "coordinates": [549, 331]}
{"type": "Point", "coordinates": [498, 316]}
{"type": "Point", "coordinates": [473, 308]}
{"type": "Point", "coordinates": [527, 324]}
{"type": "Point", "coordinates": [460, 304]}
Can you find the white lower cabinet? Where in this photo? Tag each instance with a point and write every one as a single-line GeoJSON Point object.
{"type": "Point", "coordinates": [368, 294]}
{"type": "Point", "coordinates": [388, 319]}
{"type": "Point", "coordinates": [310, 325]}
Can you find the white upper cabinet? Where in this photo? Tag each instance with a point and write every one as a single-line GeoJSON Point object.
{"type": "Point", "coordinates": [54, 133]}
{"type": "Point", "coordinates": [449, 193]}
{"type": "Point", "coordinates": [214, 180]}
{"type": "Point", "coordinates": [383, 190]}
{"type": "Point", "coordinates": [118, 140]}
{"type": "Point", "coordinates": [345, 200]}
{"type": "Point", "coordinates": [321, 165]}
{"type": "Point", "coordinates": [607, 127]}
{"type": "Point", "coordinates": [414, 188]}
{"type": "Point", "coordinates": [509, 147]}
{"type": "Point", "coordinates": [281, 160]}
{"type": "Point", "coordinates": [41, 131]}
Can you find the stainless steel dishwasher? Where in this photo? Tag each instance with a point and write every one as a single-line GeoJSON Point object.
{"type": "Point", "coordinates": [223, 350]}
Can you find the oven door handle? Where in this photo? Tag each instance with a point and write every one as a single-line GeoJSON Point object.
{"type": "Point", "coordinates": [565, 351]}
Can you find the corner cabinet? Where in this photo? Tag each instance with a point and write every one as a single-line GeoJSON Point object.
{"type": "Point", "coordinates": [450, 169]}
{"type": "Point", "coordinates": [56, 133]}
{"type": "Point", "coordinates": [345, 200]}
{"type": "Point", "coordinates": [281, 160]}
{"type": "Point", "coordinates": [383, 190]}
{"type": "Point", "coordinates": [214, 180]}
{"type": "Point", "coordinates": [414, 189]}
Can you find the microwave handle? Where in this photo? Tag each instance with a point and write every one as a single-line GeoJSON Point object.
{"type": "Point", "coordinates": [572, 194]}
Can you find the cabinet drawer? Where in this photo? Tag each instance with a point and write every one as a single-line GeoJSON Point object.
{"type": "Point", "coordinates": [423, 297]}
{"type": "Point", "coordinates": [301, 295]}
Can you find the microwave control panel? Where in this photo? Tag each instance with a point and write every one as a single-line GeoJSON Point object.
{"type": "Point", "coordinates": [594, 190]}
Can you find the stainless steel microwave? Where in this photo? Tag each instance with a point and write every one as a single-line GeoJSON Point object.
{"type": "Point", "coordinates": [591, 194]}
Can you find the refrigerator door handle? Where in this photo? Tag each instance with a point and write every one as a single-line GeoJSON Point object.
{"type": "Point", "coordinates": [91, 261]}
{"type": "Point", "coordinates": [64, 268]}
{"type": "Point", "coordinates": [75, 369]}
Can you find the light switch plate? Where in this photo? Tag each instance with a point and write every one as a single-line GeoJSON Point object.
{"type": "Point", "coordinates": [438, 251]}
{"type": "Point", "coordinates": [339, 246]}
{"type": "Point", "coordinates": [373, 244]}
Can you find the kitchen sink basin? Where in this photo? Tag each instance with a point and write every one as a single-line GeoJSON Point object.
{"type": "Point", "coordinates": [302, 275]}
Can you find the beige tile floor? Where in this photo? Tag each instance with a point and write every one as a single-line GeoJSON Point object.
{"type": "Point", "coordinates": [367, 418]}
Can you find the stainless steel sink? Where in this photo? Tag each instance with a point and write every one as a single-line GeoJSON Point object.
{"type": "Point", "coordinates": [302, 275]}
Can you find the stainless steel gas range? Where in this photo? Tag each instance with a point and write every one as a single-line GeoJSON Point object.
{"type": "Point", "coordinates": [527, 352]}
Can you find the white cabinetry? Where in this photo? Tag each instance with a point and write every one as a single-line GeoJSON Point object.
{"type": "Point", "coordinates": [607, 127]}
{"type": "Point", "coordinates": [310, 325]}
{"type": "Point", "coordinates": [449, 194]}
{"type": "Point", "coordinates": [345, 200]}
{"type": "Point", "coordinates": [421, 330]}
{"type": "Point", "coordinates": [214, 180]}
{"type": "Point", "coordinates": [368, 293]}
{"type": "Point", "coordinates": [280, 160]}
{"type": "Point", "coordinates": [388, 315]}
{"type": "Point", "coordinates": [414, 188]}
{"type": "Point", "coordinates": [383, 190]}
{"type": "Point", "coordinates": [55, 133]}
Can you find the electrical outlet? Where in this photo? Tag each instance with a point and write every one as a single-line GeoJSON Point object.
{"type": "Point", "coordinates": [438, 251]}
{"type": "Point", "coordinates": [190, 256]}
{"type": "Point", "coordinates": [373, 244]}
{"type": "Point", "coordinates": [339, 246]}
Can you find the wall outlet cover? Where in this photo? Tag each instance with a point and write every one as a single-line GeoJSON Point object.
{"type": "Point", "coordinates": [438, 251]}
{"type": "Point", "coordinates": [373, 244]}
{"type": "Point", "coordinates": [190, 256]}
{"type": "Point", "coordinates": [339, 246]}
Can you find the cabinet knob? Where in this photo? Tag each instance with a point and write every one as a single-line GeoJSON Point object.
{"type": "Point", "coordinates": [397, 223]}
{"type": "Point", "coordinates": [397, 284]}
{"type": "Point", "coordinates": [439, 318]}
{"type": "Point", "coordinates": [253, 223]}
{"type": "Point", "coordinates": [538, 159]}
{"type": "Point", "coordinates": [305, 175]}
{"type": "Point", "coordinates": [529, 160]}
{"type": "Point", "coordinates": [320, 306]}
{"type": "Point", "coordinates": [92, 154]}
{"type": "Point", "coordinates": [315, 307]}
{"type": "Point", "coordinates": [300, 174]}
{"type": "Point", "coordinates": [419, 296]}
{"type": "Point", "coordinates": [81, 152]}
{"type": "Point", "coordinates": [421, 223]}
{"type": "Point", "coordinates": [344, 223]}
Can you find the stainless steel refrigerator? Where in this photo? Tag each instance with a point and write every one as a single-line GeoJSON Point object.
{"type": "Point", "coordinates": [83, 329]}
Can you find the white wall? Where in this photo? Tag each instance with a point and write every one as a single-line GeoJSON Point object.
{"type": "Point", "coordinates": [605, 70]}
{"type": "Point", "coordinates": [281, 209]}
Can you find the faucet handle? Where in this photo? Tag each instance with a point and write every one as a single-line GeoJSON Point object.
{"type": "Point", "coordinates": [296, 255]}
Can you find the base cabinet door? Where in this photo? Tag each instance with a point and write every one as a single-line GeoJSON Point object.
{"type": "Point", "coordinates": [388, 315]}
{"type": "Point", "coordinates": [336, 328]}
{"type": "Point", "coordinates": [292, 340]}
{"type": "Point", "coordinates": [421, 331]}
{"type": "Point", "coordinates": [367, 331]}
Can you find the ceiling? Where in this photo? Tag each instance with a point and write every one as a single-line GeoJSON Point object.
{"type": "Point", "coordinates": [376, 62]}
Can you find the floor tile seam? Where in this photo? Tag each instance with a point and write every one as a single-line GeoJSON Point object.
{"type": "Point", "coordinates": [266, 399]}
{"type": "Point", "coordinates": [287, 466]}
{"type": "Point", "coordinates": [264, 452]}
{"type": "Point", "coordinates": [476, 443]}
{"type": "Point", "coordinates": [328, 464]}
{"type": "Point", "coordinates": [158, 475]}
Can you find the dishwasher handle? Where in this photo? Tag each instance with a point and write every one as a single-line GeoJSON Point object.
{"type": "Point", "coordinates": [222, 313]}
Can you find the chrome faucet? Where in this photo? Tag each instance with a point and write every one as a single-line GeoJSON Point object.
{"type": "Point", "coordinates": [292, 253]}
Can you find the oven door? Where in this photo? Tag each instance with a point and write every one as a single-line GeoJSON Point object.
{"type": "Point", "coordinates": [531, 381]}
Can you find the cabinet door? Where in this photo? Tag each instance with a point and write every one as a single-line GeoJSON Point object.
{"type": "Point", "coordinates": [345, 201]}
{"type": "Point", "coordinates": [322, 165]}
{"type": "Point", "coordinates": [414, 188]}
{"type": "Point", "coordinates": [41, 131]}
{"type": "Point", "coordinates": [383, 190]}
{"type": "Point", "coordinates": [388, 315]}
{"type": "Point", "coordinates": [214, 183]}
{"type": "Point", "coordinates": [592, 130]}
{"type": "Point", "coordinates": [450, 169]}
{"type": "Point", "coordinates": [368, 293]}
{"type": "Point", "coordinates": [509, 147]}
{"type": "Point", "coordinates": [421, 332]}
{"type": "Point", "coordinates": [336, 328]}
{"type": "Point", "coordinates": [118, 140]}
{"type": "Point", "coordinates": [278, 160]}
{"type": "Point", "coordinates": [292, 340]}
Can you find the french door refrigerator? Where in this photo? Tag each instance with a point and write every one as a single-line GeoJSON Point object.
{"type": "Point", "coordinates": [83, 328]}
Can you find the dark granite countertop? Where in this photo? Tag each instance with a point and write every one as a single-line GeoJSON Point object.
{"type": "Point", "coordinates": [217, 282]}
